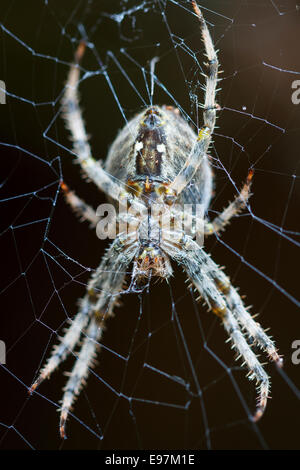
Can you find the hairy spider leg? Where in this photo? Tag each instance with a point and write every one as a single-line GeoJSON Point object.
{"type": "Point", "coordinates": [102, 296]}
{"type": "Point", "coordinates": [79, 206]}
{"type": "Point", "coordinates": [224, 301]}
{"type": "Point", "coordinates": [209, 113]}
{"type": "Point", "coordinates": [81, 148]}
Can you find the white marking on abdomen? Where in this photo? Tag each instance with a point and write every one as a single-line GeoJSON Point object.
{"type": "Point", "coordinates": [161, 148]}
{"type": "Point", "coordinates": [139, 146]}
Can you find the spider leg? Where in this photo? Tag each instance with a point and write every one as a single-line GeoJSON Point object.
{"type": "Point", "coordinates": [239, 203]}
{"type": "Point", "coordinates": [80, 207]}
{"type": "Point", "coordinates": [246, 321]}
{"type": "Point", "coordinates": [235, 305]}
{"type": "Point", "coordinates": [256, 371]}
{"type": "Point", "coordinates": [80, 371]}
{"type": "Point", "coordinates": [204, 274]}
{"type": "Point", "coordinates": [74, 122]}
{"type": "Point", "coordinates": [196, 225]}
{"type": "Point", "coordinates": [99, 301]}
{"type": "Point", "coordinates": [108, 280]}
{"type": "Point", "coordinates": [67, 344]}
{"type": "Point", "coordinates": [209, 114]}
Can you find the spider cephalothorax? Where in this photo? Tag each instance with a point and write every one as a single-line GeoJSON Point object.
{"type": "Point", "coordinates": [156, 166]}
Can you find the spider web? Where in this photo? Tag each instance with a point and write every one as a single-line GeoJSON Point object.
{"type": "Point", "coordinates": [165, 377]}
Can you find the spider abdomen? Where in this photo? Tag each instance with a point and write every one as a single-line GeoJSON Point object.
{"type": "Point", "coordinates": [153, 146]}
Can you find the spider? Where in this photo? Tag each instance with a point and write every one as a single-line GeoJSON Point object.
{"type": "Point", "coordinates": [156, 159]}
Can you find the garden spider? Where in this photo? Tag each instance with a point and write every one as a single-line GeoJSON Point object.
{"type": "Point", "coordinates": [156, 159]}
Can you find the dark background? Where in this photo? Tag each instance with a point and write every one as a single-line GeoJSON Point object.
{"type": "Point", "coordinates": [195, 395]}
